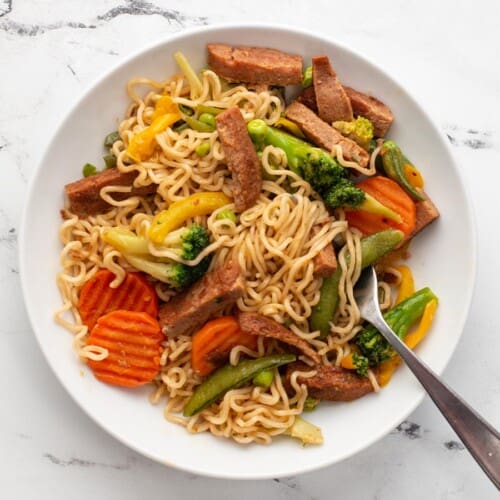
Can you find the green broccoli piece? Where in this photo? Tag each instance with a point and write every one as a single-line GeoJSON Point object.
{"type": "Point", "coordinates": [361, 364]}
{"type": "Point", "coordinates": [186, 242]}
{"type": "Point", "coordinates": [359, 130]}
{"type": "Point", "coordinates": [325, 175]}
{"type": "Point", "coordinates": [373, 346]}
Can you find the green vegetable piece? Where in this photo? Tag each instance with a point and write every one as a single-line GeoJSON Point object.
{"type": "Point", "coordinates": [202, 149]}
{"type": "Point", "coordinates": [373, 247]}
{"type": "Point", "coordinates": [186, 110]}
{"type": "Point", "coordinates": [307, 77]}
{"type": "Point", "coordinates": [305, 431]}
{"type": "Point", "coordinates": [208, 109]}
{"type": "Point", "coordinates": [359, 130]}
{"type": "Point", "coordinates": [186, 242]}
{"type": "Point", "coordinates": [393, 163]}
{"type": "Point", "coordinates": [374, 206]}
{"type": "Point", "coordinates": [111, 138]}
{"type": "Point", "coordinates": [361, 364]}
{"type": "Point", "coordinates": [227, 214]}
{"type": "Point", "coordinates": [310, 403]}
{"type": "Point", "coordinates": [400, 318]}
{"type": "Point", "coordinates": [208, 119]}
{"type": "Point", "coordinates": [264, 379]}
{"type": "Point", "coordinates": [228, 377]}
{"type": "Point", "coordinates": [109, 160]}
{"type": "Point", "coordinates": [198, 125]}
{"type": "Point", "coordinates": [180, 126]}
{"type": "Point", "coordinates": [89, 169]}
{"type": "Point", "coordinates": [325, 175]}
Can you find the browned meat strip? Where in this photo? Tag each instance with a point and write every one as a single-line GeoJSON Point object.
{"type": "Point", "coordinates": [325, 262]}
{"type": "Point", "coordinates": [241, 158]}
{"type": "Point", "coordinates": [84, 198]}
{"type": "Point", "coordinates": [308, 98]}
{"type": "Point", "coordinates": [192, 308]}
{"type": "Point", "coordinates": [426, 212]}
{"type": "Point", "coordinates": [333, 103]}
{"type": "Point", "coordinates": [322, 134]}
{"type": "Point", "coordinates": [332, 383]}
{"type": "Point", "coordinates": [372, 109]}
{"type": "Point", "coordinates": [254, 64]}
{"type": "Point", "coordinates": [257, 324]}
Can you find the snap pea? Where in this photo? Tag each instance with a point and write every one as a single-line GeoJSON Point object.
{"type": "Point", "coordinates": [373, 247]}
{"type": "Point", "coordinates": [180, 126]}
{"type": "Point", "coordinates": [307, 77]}
{"type": "Point", "coordinates": [228, 377]}
{"type": "Point", "coordinates": [111, 138]}
{"type": "Point", "coordinates": [393, 163]}
{"type": "Point", "coordinates": [198, 125]}
{"type": "Point", "coordinates": [186, 110]}
{"type": "Point", "coordinates": [264, 379]}
{"type": "Point", "coordinates": [208, 109]}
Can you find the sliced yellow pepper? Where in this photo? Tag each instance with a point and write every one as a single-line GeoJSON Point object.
{"type": "Point", "coordinates": [387, 368]}
{"type": "Point", "coordinates": [348, 362]}
{"type": "Point", "coordinates": [175, 215]}
{"type": "Point", "coordinates": [407, 286]}
{"type": "Point", "coordinates": [413, 176]}
{"type": "Point", "coordinates": [143, 144]}
{"type": "Point", "coordinates": [289, 126]}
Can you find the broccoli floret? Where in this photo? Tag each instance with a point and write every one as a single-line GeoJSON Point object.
{"type": "Point", "coordinates": [373, 346]}
{"type": "Point", "coordinates": [325, 175]}
{"type": "Point", "coordinates": [359, 130]}
{"type": "Point", "coordinates": [186, 242]}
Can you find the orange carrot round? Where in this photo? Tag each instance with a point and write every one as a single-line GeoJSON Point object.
{"type": "Point", "coordinates": [135, 293]}
{"type": "Point", "coordinates": [133, 340]}
{"type": "Point", "coordinates": [390, 194]}
{"type": "Point", "coordinates": [213, 343]}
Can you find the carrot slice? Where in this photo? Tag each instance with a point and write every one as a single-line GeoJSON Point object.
{"type": "Point", "coordinates": [390, 194]}
{"type": "Point", "coordinates": [213, 343]}
{"type": "Point", "coordinates": [133, 340]}
{"type": "Point", "coordinates": [97, 298]}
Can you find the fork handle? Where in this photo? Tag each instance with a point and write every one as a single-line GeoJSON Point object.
{"type": "Point", "coordinates": [480, 438]}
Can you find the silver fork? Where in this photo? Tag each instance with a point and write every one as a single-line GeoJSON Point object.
{"type": "Point", "coordinates": [480, 438]}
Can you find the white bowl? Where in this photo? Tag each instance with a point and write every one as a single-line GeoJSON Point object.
{"type": "Point", "coordinates": [443, 257]}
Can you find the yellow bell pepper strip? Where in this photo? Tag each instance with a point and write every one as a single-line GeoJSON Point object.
{"type": "Point", "coordinates": [407, 285]}
{"type": "Point", "coordinates": [413, 176]}
{"type": "Point", "coordinates": [175, 215]}
{"type": "Point", "coordinates": [387, 368]}
{"type": "Point", "coordinates": [143, 145]}
{"type": "Point", "coordinates": [289, 126]}
{"type": "Point", "coordinates": [164, 106]}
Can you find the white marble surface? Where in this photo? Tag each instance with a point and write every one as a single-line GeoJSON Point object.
{"type": "Point", "coordinates": [445, 53]}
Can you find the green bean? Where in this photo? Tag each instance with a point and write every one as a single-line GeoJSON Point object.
{"type": "Point", "coordinates": [393, 162]}
{"type": "Point", "coordinates": [229, 377]}
{"type": "Point", "coordinates": [89, 169]}
{"type": "Point", "coordinates": [111, 138]}
{"type": "Point", "coordinates": [202, 149]}
{"type": "Point", "coordinates": [109, 160]}
{"type": "Point", "coordinates": [264, 379]}
{"type": "Point", "coordinates": [373, 247]}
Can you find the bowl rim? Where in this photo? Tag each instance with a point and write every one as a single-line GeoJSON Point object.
{"type": "Point", "coordinates": [383, 430]}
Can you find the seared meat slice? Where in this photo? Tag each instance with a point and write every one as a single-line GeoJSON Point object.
{"type": "Point", "coordinates": [325, 263]}
{"type": "Point", "coordinates": [83, 194]}
{"type": "Point", "coordinates": [331, 99]}
{"type": "Point", "coordinates": [241, 158]}
{"type": "Point", "coordinates": [372, 109]}
{"type": "Point", "coordinates": [324, 135]}
{"type": "Point", "coordinates": [426, 213]}
{"type": "Point", "coordinates": [332, 383]}
{"type": "Point", "coordinates": [254, 64]}
{"type": "Point", "coordinates": [256, 324]}
{"type": "Point", "coordinates": [192, 308]}
{"type": "Point", "coordinates": [308, 98]}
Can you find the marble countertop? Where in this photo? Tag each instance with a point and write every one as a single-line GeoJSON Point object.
{"type": "Point", "coordinates": [444, 53]}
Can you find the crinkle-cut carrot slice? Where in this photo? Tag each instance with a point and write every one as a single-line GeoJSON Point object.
{"type": "Point", "coordinates": [133, 340]}
{"type": "Point", "coordinates": [97, 298]}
